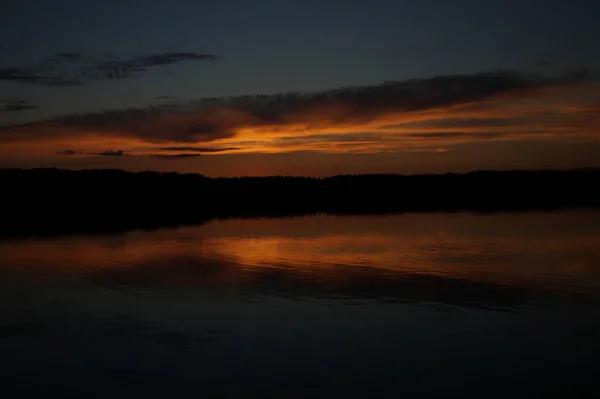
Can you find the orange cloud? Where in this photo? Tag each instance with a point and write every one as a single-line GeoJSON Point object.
{"type": "Point", "coordinates": [414, 115]}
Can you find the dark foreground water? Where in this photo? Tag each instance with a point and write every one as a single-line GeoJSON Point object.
{"type": "Point", "coordinates": [453, 305]}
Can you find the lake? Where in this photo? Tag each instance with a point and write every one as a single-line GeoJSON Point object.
{"type": "Point", "coordinates": [423, 304]}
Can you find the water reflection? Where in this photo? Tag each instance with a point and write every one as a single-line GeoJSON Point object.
{"type": "Point", "coordinates": [344, 302]}
{"type": "Point", "coordinates": [490, 260]}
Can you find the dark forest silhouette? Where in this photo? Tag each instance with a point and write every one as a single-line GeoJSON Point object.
{"type": "Point", "coordinates": [54, 201]}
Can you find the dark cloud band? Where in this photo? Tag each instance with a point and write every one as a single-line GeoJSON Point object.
{"type": "Point", "coordinates": [213, 119]}
{"type": "Point", "coordinates": [75, 69]}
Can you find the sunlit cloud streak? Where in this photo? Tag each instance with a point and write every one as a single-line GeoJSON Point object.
{"type": "Point", "coordinates": [69, 152]}
{"type": "Point", "coordinates": [199, 149]}
{"type": "Point", "coordinates": [167, 153]}
{"type": "Point", "coordinates": [110, 153]}
{"type": "Point", "coordinates": [410, 115]}
{"type": "Point", "coordinates": [175, 156]}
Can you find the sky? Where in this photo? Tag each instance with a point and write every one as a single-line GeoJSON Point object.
{"type": "Point", "coordinates": [314, 87]}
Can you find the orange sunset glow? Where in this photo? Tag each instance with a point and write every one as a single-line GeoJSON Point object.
{"type": "Point", "coordinates": [423, 116]}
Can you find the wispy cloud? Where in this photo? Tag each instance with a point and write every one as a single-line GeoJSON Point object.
{"type": "Point", "coordinates": [69, 152]}
{"type": "Point", "coordinates": [15, 105]}
{"type": "Point", "coordinates": [110, 153]}
{"type": "Point", "coordinates": [436, 112]}
{"type": "Point", "coordinates": [199, 149]}
{"type": "Point", "coordinates": [167, 152]}
{"type": "Point", "coordinates": [169, 58]}
{"type": "Point", "coordinates": [175, 156]}
{"type": "Point", "coordinates": [75, 69]}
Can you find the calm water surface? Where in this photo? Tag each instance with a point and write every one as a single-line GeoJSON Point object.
{"type": "Point", "coordinates": [357, 306]}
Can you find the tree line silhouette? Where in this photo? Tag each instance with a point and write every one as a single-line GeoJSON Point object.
{"type": "Point", "coordinates": [55, 201]}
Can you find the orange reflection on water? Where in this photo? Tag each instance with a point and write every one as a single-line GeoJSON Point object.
{"type": "Point", "coordinates": [551, 250]}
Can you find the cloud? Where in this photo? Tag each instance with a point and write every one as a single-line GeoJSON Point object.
{"type": "Point", "coordinates": [198, 149]}
{"type": "Point", "coordinates": [121, 153]}
{"type": "Point", "coordinates": [593, 108]}
{"type": "Point", "coordinates": [162, 97]}
{"type": "Point", "coordinates": [175, 156]}
{"type": "Point", "coordinates": [344, 137]}
{"type": "Point", "coordinates": [169, 58]}
{"type": "Point", "coordinates": [13, 101]}
{"type": "Point", "coordinates": [445, 135]}
{"type": "Point", "coordinates": [439, 112]}
{"type": "Point", "coordinates": [15, 105]}
{"type": "Point", "coordinates": [461, 122]}
{"type": "Point", "coordinates": [109, 153]}
{"type": "Point", "coordinates": [36, 75]}
{"type": "Point", "coordinates": [75, 69]}
{"type": "Point", "coordinates": [190, 152]}
{"type": "Point", "coordinates": [69, 152]}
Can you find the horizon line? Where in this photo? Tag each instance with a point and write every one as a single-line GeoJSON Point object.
{"type": "Point", "coordinates": [546, 170]}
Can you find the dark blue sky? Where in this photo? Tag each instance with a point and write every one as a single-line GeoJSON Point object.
{"type": "Point", "coordinates": [268, 46]}
{"type": "Point", "coordinates": [273, 46]}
